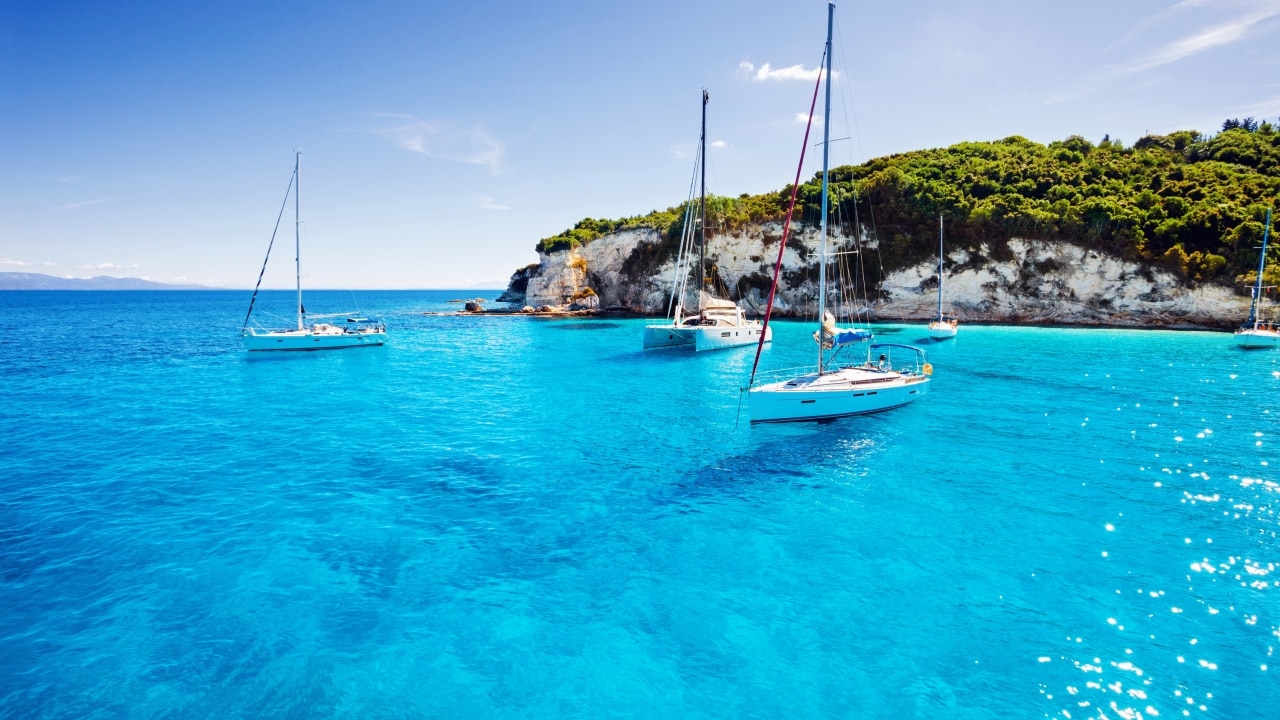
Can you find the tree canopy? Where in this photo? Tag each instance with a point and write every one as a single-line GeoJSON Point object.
{"type": "Point", "coordinates": [1191, 203]}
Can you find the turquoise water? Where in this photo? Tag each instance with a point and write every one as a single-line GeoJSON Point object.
{"type": "Point", "coordinates": [507, 517]}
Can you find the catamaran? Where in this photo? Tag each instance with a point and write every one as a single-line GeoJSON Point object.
{"type": "Point", "coordinates": [832, 390]}
{"type": "Point", "coordinates": [1256, 333]}
{"type": "Point", "coordinates": [944, 326]}
{"type": "Point", "coordinates": [348, 329]}
{"type": "Point", "coordinates": [718, 323]}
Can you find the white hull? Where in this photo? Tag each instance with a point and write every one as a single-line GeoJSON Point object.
{"type": "Point", "coordinates": [306, 340]}
{"type": "Point", "coordinates": [1258, 338]}
{"type": "Point", "coordinates": [703, 337]}
{"type": "Point", "coordinates": [942, 330]}
{"type": "Point", "coordinates": [845, 392]}
{"type": "Point", "coordinates": [665, 336]}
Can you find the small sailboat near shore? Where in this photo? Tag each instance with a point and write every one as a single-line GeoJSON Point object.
{"type": "Point", "coordinates": [944, 326]}
{"type": "Point", "coordinates": [832, 390]}
{"type": "Point", "coordinates": [346, 330]}
{"type": "Point", "coordinates": [718, 323]}
{"type": "Point", "coordinates": [1255, 333]}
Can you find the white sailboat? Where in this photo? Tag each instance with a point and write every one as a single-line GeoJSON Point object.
{"type": "Point", "coordinates": [944, 326]}
{"type": "Point", "coordinates": [718, 323]}
{"type": "Point", "coordinates": [832, 390]}
{"type": "Point", "coordinates": [1256, 333]}
{"type": "Point", "coordinates": [346, 329]}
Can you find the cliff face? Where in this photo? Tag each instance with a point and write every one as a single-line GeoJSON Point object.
{"type": "Point", "coordinates": [1022, 281]}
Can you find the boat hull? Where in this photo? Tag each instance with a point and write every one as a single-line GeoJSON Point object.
{"type": "Point", "coordinates": [942, 330]}
{"type": "Point", "coordinates": [719, 337]}
{"type": "Point", "coordinates": [703, 337]}
{"type": "Point", "coordinates": [665, 336]}
{"type": "Point", "coordinates": [304, 341]}
{"type": "Point", "coordinates": [1258, 338]}
{"type": "Point", "coordinates": [833, 395]}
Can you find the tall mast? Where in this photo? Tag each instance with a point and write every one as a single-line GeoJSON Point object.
{"type": "Point", "coordinates": [1262, 264]}
{"type": "Point", "coordinates": [297, 230]}
{"type": "Point", "coordinates": [702, 203]}
{"type": "Point", "coordinates": [939, 267]}
{"type": "Point", "coordinates": [826, 151]}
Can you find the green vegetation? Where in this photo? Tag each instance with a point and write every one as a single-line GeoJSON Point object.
{"type": "Point", "coordinates": [1183, 201]}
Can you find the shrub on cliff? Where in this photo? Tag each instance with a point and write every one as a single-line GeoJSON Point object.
{"type": "Point", "coordinates": [1192, 203]}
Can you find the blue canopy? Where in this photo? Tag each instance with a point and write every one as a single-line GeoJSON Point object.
{"type": "Point", "coordinates": [845, 337]}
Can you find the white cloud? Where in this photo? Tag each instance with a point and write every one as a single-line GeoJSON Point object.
{"type": "Point", "coordinates": [767, 72]}
{"type": "Point", "coordinates": [487, 203]}
{"type": "Point", "coordinates": [86, 203]}
{"type": "Point", "coordinates": [683, 151]}
{"type": "Point", "coordinates": [443, 140]}
{"type": "Point", "coordinates": [803, 119]}
{"type": "Point", "coordinates": [718, 144]}
{"type": "Point", "coordinates": [11, 261]}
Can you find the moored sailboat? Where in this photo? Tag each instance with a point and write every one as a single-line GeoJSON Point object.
{"type": "Point", "coordinates": [1256, 333]}
{"type": "Point", "coordinates": [832, 390]}
{"type": "Point", "coordinates": [718, 323]}
{"type": "Point", "coordinates": [943, 326]}
{"type": "Point", "coordinates": [355, 330]}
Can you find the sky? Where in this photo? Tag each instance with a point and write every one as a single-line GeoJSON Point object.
{"type": "Point", "coordinates": [440, 141]}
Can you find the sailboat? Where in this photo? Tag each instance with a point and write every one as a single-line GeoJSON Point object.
{"type": "Point", "coordinates": [831, 390]}
{"type": "Point", "coordinates": [718, 323]}
{"type": "Point", "coordinates": [944, 326]}
{"type": "Point", "coordinates": [347, 329]}
{"type": "Point", "coordinates": [1255, 333]}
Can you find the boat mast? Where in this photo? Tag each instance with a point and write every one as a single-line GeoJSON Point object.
{"type": "Point", "coordinates": [702, 203]}
{"type": "Point", "coordinates": [826, 151]}
{"type": "Point", "coordinates": [939, 267]}
{"type": "Point", "coordinates": [297, 231]}
{"type": "Point", "coordinates": [1262, 264]}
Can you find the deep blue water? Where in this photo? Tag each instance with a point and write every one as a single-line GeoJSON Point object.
{"type": "Point", "coordinates": [511, 517]}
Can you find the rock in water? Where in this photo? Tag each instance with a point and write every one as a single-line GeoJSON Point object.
{"type": "Point", "coordinates": [473, 306]}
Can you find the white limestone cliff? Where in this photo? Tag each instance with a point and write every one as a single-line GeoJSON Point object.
{"type": "Point", "coordinates": [1027, 281]}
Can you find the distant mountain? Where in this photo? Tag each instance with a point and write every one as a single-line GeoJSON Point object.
{"type": "Point", "coordinates": [36, 281]}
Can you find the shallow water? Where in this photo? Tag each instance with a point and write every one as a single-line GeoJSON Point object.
{"type": "Point", "coordinates": [505, 516]}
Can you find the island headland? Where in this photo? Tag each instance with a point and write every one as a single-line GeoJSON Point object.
{"type": "Point", "coordinates": [1163, 233]}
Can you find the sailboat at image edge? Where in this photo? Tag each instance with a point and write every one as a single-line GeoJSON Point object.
{"type": "Point", "coordinates": [833, 391]}
{"type": "Point", "coordinates": [718, 323]}
{"type": "Point", "coordinates": [944, 326]}
{"type": "Point", "coordinates": [355, 331]}
{"type": "Point", "coordinates": [1255, 333]}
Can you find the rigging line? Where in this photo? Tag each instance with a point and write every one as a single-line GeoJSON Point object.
{"type": "Point", "coordinates": [851, 113]}
{"type": "Point", "coordinates": [683, 254]}
{"type": "Point", "coordinates": [254, 299]}
{"type": "Point", "coordinates": [786, 227]}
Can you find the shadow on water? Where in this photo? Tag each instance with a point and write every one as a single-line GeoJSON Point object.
{"type": "Point", "coordinates": [585, 326]}
{"type": "Point", "coordinates": [796, 455]}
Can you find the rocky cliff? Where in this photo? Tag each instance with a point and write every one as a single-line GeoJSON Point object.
{"type": "Point", "coordinates": [1023, 280]}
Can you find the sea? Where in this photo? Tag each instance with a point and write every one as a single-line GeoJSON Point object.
{"type": "Point", "coordinates": [513, 517]}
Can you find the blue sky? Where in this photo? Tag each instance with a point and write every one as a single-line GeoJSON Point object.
{"type": "Point", "coordinates": [442, 140]}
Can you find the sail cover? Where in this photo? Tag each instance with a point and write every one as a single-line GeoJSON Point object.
{"type": "Point", "coordinates": [833, 336]}
{"type": "Point", "coordinates": [707, 301]}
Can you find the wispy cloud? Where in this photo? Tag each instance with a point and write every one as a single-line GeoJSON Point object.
{"type": "Point", "coordinates": [86, 203]}
{"type": "Point", "coordinates": [718, 144]}
{"type": "Point", "coordinates": [69, 179]}
{"type": "Point", "coordinates": [1224, 34]}
{"type": "Point", "coordinates": [683, 151]}
{"type": "Point", "coordinates": [1250, 15]}
{"type": "Point", "coordinates": [11, 261]}
{"type": "Point", "coordinates": [108, 266]}
{"type": "Point", "coordinates": [487, 203]}
{"type": "Point", "coordinates": [768, 72]}
{"type": "Point", "coordinates": [443, 140]}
